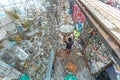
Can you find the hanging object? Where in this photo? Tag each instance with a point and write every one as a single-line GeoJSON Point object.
{"type": "Point", "coordinates": [66, 29]}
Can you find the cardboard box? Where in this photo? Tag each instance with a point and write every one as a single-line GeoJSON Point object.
{"type": "Point", "coordinates": [70, 66]}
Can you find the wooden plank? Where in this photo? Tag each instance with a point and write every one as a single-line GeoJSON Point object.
{"type": "Point", "coordinates": [101, 18]}
{"type": "Point", "coordinates": [110, 12]}
{"type": "Point", "coordinates": [114, 11]}
{"type": "Point", "coordinates": [108, 8]}
{"type": "Point", "coordinates": [114, 21]}
{"type": "Point", "coordinates": [115, 31]}
{"type": "Point", "coordinates": [113, 14]}
{"type": "Point", "coordinates": [113, 17]}
{"type": "Point", "coordinates": [105, 36]}
{"type": "Point", "coordinates": [103, 13]}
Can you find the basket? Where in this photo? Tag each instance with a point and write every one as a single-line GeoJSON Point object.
{"type": "Point", "coordinates": [66, 30]}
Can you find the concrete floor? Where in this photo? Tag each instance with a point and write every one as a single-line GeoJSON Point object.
{"type": "Point", "coordinates": [62, 59]}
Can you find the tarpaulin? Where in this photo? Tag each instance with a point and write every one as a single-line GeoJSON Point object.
{"type": "Point", "coordinates": [111, 72]}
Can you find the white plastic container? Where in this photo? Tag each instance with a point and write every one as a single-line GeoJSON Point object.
{"type": "Point", "coordinates": [21, 54]}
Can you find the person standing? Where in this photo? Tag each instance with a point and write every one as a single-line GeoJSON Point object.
{"type": "Point", "coordinates": [69, 44]}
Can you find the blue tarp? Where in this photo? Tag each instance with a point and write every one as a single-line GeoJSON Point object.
{"type": "Point", "coordinates": [79, 27]}
{"type": "Point", "coordinates": [111, 73]}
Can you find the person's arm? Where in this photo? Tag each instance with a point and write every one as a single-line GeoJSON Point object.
{"type": "Point", "coordinates": [60, 36]}
{"type": "Point", "coordinates": [64, 39]}
{"type": "Point", "coordinates": [73, 35]}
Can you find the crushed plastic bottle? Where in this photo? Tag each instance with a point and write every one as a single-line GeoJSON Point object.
{"type": "Point", "coordinates": [21, 54]}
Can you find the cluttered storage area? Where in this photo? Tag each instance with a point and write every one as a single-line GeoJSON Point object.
{"type": "Point", "coordinates": [24, 30]}
{"type": "Point", "coordinates": [53, 40]}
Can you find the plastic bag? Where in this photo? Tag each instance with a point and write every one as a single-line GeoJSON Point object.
{"type": "Point", "coordinates": [21, 54]}
{"type": "Point", "coordinates": [76, 34]}
{"type": "Point", "coordinates": [70, 11]}
{"type": "Point", "coordinates": [80, 26]}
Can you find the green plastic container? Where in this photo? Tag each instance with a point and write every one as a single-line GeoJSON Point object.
{"type": "Point", "coordinates": [24, 77]}
{"type": "Point", "coordinates": [70, 76]}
